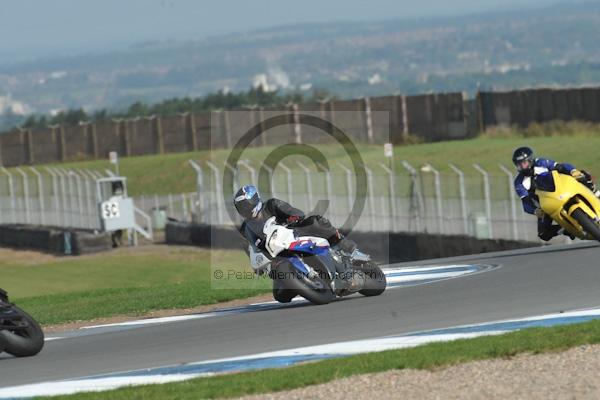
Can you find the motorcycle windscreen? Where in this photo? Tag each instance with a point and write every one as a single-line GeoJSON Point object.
{"type": "Point", "coordinates": [545, 182]}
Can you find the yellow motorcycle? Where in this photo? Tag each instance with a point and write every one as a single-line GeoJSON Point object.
{"type": "Point", "coordinates": [570, 203]}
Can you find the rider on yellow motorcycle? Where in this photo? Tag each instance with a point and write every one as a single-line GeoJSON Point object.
{"type": "Point", "coordinates": [528, 167]}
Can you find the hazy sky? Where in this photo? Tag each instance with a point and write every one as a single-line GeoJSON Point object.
{"type": "Point", "coordinates": [39, 28]}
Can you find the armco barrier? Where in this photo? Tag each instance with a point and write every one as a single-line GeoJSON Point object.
{"type": "Point", "coordinates": [383, 247]}
{"type": "Point", "coordinates": [406, 246]}
{"type": "Point", "coordinates": [54, 240]}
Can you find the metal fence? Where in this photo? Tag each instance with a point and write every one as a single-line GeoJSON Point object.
{"type": "Point", "coordinates": [52, 196]}
{"type": "Point", "coordinates": [442, 199]}
{"type": "Point", "coordinates": [181, 206]}
{"type": "Point", "coordinates": [49, 196]}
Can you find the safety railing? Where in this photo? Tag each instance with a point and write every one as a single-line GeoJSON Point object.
{"type": "Point", "coordinates": [445, 198]}
{"type": "Point", "coordinates": [50, 196]}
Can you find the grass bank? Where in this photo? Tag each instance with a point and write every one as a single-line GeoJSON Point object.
{"type": "Point", "coordinates": [130, 281]}
{"type": "Point", "coordinates": [575, 143]}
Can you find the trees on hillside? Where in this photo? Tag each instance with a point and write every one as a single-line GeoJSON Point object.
{"type": "Point", "coordinates": [214, 101]}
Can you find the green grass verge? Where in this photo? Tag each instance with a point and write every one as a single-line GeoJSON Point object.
{"type": "Point", "coordinates": [128, 281]}
{"type": "Point", "coordinates": [170, 173]}
{"type": "Point", "coordinates": [534, 340]}
{"type": "Point", "coordinates": [89, 305]}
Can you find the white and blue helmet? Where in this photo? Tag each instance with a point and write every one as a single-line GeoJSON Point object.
{"type": "Point", "coordinates": [247, 202]}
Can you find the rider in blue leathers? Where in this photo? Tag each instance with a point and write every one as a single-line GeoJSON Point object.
{"type": "Point", "coordinates": [528, 167]}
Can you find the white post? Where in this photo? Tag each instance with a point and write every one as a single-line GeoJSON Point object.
{"type": "Point", "coordinates": [463, 197]}
{"type": "Point", "coordinates": [79, 197]}
{"type": "Point", "coordinates": [371, 197]}
{"type": "Point", "coordinates": [308, 184]}
{"type": "Point", "coordinates": [438, 195]}
{"type": "Point", "coordinates": [392, 191]}
{"type": "Point", "coordinates": [297, 128]}
{"type": "Point", "coordinates": [56, 196]}
{"type": "Point", "coordinates": [234, 173]}
{"type": "Point", "coordinates": [170, 210]}
{"type": "Point", "coordinates": [184, 207]}
{"type": "Point", "coordinates": [513, 205]}
{"type": "Point", "coordinates": [25, 194]}
{"type": "Point", "coordinates": [415, 194]}
{"type": "Point", "coordinates": [40, 186]}
{"type": "Point", "coordinates": [199, 188]}
{"type": "Point", "coordinates": [89, 204]}
{"type": "Point", "coordinates": [218, 189]}
{"type": "Point", "coordinates": [348, 172]}
{"type": "Point", "coordinates": [322, 103]}
{"type": "Point", "coordinates": [288, 172]}
{"type": "Point", "coordinates": [486, 193]}
{"type": "Point", "coordinates": [252, 171]}
{"type": "Point", "coordinates": [92, 207]}
{"type": "Point", "coordinates": [329, 191]}
{"type": "Point", "coordinates": [369, 119]}
{"type": "Point", "coordinates": [271, 186]}
{"type": "Point", "coordinates": [404, 116]}
{"type": "Point", "coordinates": [11, 190]}
{"type": "Point", "coordinates": [63, 193]}
{"type": "Point", "coordinates": [227, 125]}
{"type": "Point", "coordinates": [67, 203]}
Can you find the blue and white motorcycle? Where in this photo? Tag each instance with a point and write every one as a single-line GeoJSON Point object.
{"type": "Point", "coordinates": [307, 266]}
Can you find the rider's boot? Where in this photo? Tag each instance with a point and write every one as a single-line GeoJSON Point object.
{"type": "Point", "coordinates": [563, 231]}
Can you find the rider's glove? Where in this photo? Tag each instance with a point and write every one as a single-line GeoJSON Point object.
{"type": "Point", "coordinates": [577, 174]}
{"type": "Point", "coordinates": [539, 212]}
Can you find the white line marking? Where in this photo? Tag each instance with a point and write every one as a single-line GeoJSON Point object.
{"type": "Point", "coordinates": [48, 339]}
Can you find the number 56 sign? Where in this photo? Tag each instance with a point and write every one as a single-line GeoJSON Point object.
{"type": "Point", "coordinates": [110, 209]}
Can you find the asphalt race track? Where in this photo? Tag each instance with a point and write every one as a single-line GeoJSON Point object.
{"type": "Point", "coordinates": [528, 282]}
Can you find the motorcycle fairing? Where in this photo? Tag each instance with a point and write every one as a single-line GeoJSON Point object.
{"type": "Point", "coordinates": [568, 195]}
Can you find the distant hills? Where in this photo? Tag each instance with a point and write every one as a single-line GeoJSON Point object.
{"type": "Point", "coordinates": [554, 45]}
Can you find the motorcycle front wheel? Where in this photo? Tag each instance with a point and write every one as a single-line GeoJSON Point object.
{"type": "Point", "coordinates": [587, 223]}
{"type": "Point", "coordinates": [25, 339]}
{"type": "Point", "coordinates": [376, 281]}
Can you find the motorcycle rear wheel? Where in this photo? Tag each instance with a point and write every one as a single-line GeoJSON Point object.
{"type": "Point", "coordinates": [294, 281]}
{"type": "Point", "coordinates": [587, 223]}
{"type": "Point", "coordinates": [23, 343]}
